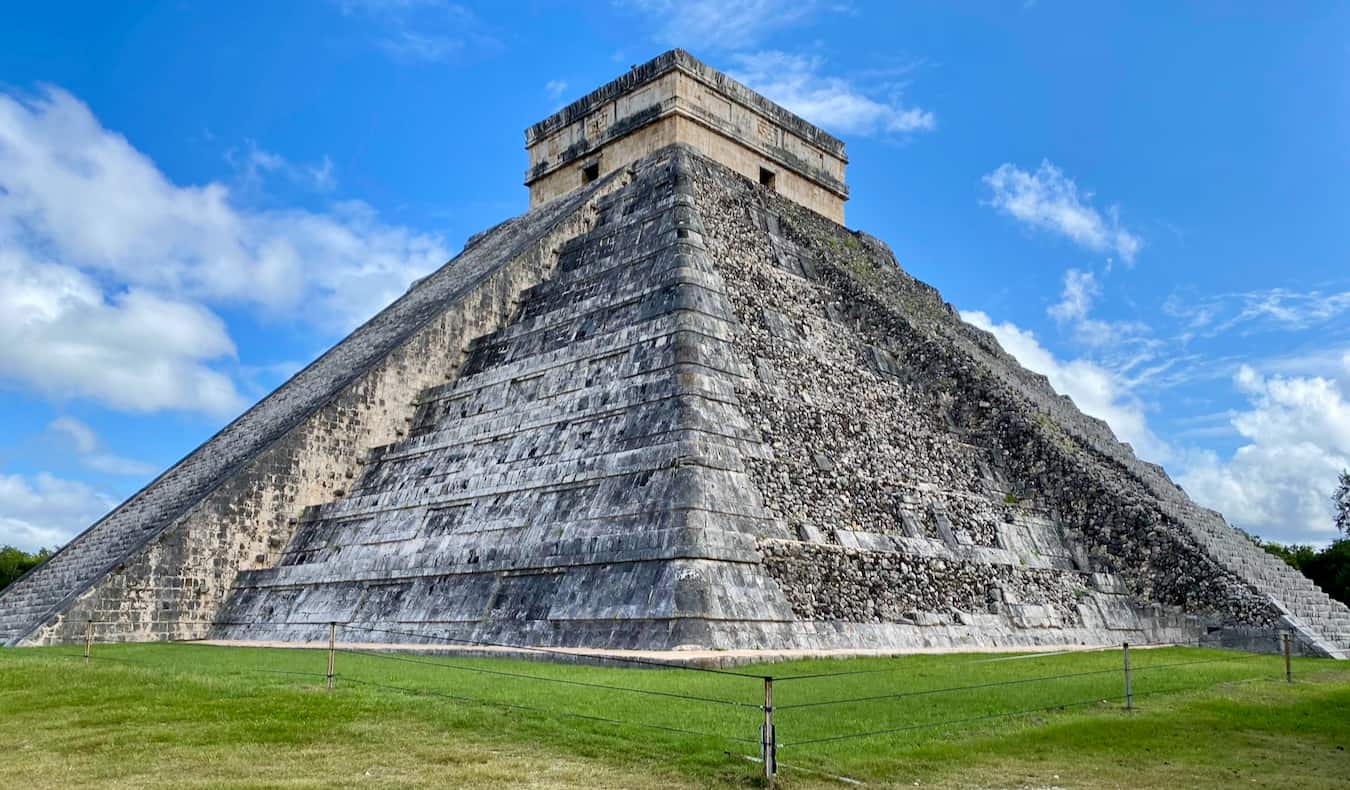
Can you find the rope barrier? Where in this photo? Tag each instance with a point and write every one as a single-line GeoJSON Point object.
{"type": "Point", "coordinates": [1247, 657]}
{"type": "Point", "coordinates": [882, 670]}
{"type": "Point", "coordinates": [161, 665]}
{"type": "Point", "coordinates": [1081, 650]}
{"type": "Point", "coordinates": [532, 709]}
{"type": "Point", "coordinates": [502, 673]}
{"type": "Point", "coordinates": [968, 720]}
{"type": "Point", "coordinates": [1018, 681]}
{"type": "Point", "coordinates": [1180, 689]}
{"type": "Point", "coordinates": [1021, 712]}
{"type": "Point", "coordinates": [553, 651]}
{"type": "Point", "coordinates": [927, 692]}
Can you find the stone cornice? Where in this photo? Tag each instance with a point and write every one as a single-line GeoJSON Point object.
{"type": "Point", "coordinates": [673, 60]}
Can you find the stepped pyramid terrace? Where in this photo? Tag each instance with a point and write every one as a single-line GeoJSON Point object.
{"type": "Point", "coordinates": [674, 404]}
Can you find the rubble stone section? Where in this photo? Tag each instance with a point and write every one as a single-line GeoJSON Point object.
{"type": "Point", "coordinates": [674, 98]}
{"type": "Point", "coordinates": [898, 429]}
{"type": "Point", "coordinates": [161, 564]}
{"type": "Point", "coordinates": [581, 483]}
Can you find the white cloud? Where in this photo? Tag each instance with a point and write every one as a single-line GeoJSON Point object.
{"type": "Point", "coordinates": [61, 336]}
{"type": "Point", "coordinates": [1049, 200]}
{"type": "Point", "coordinates": [422, 31]}
{"type": "Point", "coordinates": [88, 448]}
{"type": "Point", "coordinates": [1095, 390]}
{"type": "Point", "coordinates": [1276, 309]}
{"type": "Point", "coordinates": [834, 103]}
{"type": "Point", "coordinates": [722, 24]}
{"type": "Point", "coordinates": [85, 197]}
{"type": "Point", "coordinates": [409, 46]}
{"type": "Point", "coordinates": [1279, 483]}
{"type": "Point", "coordinates": [383, 6]}
{"type": "Point", "coordinates": [111, 266]}
{"type": "Point", "coordinates": [45, 511]}
{"type": "Point", "coordinates": [81, 436]}
{"type": "Point", "coordinates": [1129, 343]}
{"type": "Point", "coordinates": [554, 89]}
{"type": "Point", "coordinates": [253, 163]}
{"type": "Point", "coordinates": [1080, 289]}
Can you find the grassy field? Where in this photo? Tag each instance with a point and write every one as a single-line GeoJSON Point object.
{"type": "Point", "coordinates": [178, 715]}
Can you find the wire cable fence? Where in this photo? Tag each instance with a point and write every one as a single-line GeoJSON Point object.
{"type": "Point", "coordinates": [815, 709]}
{"type": "Point", "coordinates": [570, 655]}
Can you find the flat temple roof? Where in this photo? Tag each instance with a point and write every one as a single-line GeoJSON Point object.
{"type": "Point", "coordinates": [681, 60]}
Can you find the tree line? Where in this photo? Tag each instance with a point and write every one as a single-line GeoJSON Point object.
{"type": "Point", "coordinates": [16, 562]}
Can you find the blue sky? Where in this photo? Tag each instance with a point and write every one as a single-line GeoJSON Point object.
{"type": "Point", "coordinates": [1145, 201]}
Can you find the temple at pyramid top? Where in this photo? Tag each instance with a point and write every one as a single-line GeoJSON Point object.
{"type": "Point", "coordinates": [674, 98]}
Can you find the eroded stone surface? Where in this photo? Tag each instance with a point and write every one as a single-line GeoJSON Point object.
{"type": "Point", "coordinates": [887, 415]}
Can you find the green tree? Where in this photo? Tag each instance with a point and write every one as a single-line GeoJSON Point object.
{"type": "Point", "coordinates": [16, 562]}
{"type": "Point", "coordinates": [1330, 570]}
{"type": "Point", "coordinates": [1342, 501]}
{"type": "Point", "coordinates": [1296, 554]}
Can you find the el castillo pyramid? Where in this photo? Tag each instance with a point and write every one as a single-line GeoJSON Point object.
{"type": "Point", "coordinates": [675, 403]}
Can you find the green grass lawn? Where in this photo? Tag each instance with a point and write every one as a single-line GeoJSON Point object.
{"type": "Point", "coordinates": [190, 715]}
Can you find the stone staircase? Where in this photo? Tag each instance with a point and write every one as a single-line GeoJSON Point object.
{"type": "Point", "coordinates": [1319, 621]}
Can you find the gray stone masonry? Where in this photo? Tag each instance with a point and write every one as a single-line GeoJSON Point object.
{"type": "Point", "coordinates": [675, 409]}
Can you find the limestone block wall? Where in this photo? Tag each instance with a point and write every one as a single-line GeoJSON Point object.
{"type": "Point", "coordinates": [175, 581]}
{"type": "Point", "coordinates": [680, 128]}
{"type": "Point", "coordinates": [628, 148]}
{"type": "Point", "coordinates": [789, 182]}
{"type": "Point", "coordinates": [675, 98]}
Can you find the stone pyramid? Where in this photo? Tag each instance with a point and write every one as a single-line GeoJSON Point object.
{"type": "Point", "coordinates": [675, 404]}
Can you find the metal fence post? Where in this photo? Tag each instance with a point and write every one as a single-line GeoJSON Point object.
{"type": "Point", "coordinates": [1288, 667]}
{"type": "Point", "coordinates": [88, 639]}
{"type": "Point", "coordinates": [1129, 688]}
{"type": "Point", "coordinates": [332, 648]}
{"type": "Point", "coordinates": [768, 741]}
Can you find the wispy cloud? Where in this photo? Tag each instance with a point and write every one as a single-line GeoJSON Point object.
{"type": "Point", "coordinates": [1080, 289]}
{"type": "Point", "coordinates": [1127, 345]}
{"type": "Point", "coordinates": [413, 47]}
{"type": "Point", "coordinates": [555, 89]}
{"type": "Point", "coordinates": [423, 31]}
{"type": "Point", "coordinates": [253, 164]}
{"type": "Point", "coordinates": [800, 84]}
{"type": "Point", "coordinates": [90, 452]}
{"type": "Point", "coordinates": [705, 25]}
{"type": "Point", "coordinates": [1276, 309]}
{"type": "Point", "coordinates": [1049, 200]}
